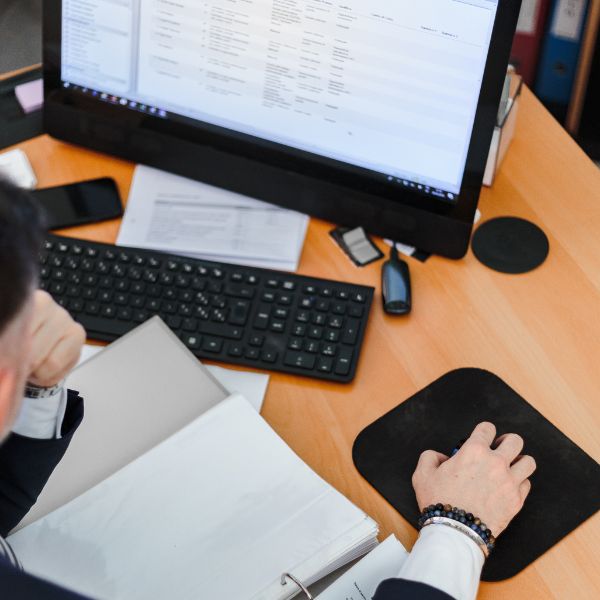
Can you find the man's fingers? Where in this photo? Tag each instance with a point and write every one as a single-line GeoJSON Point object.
{"type": "Point", "coordinates": [510, 446]}
{"type": "Point", "coordinates": [484, 433]}
{"type": "Point", "coordinates": [524, 489]}
{"type": "Point", "coordinates": [430, 460]}
{"type": "Point", "coordinates": [523, 468]}
{"type": "Point", "coordinates": [58, 364]}
{"type": "Point", "coordinates": [43, 341]}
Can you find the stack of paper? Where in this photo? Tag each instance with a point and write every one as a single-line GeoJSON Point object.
{"type": "Point", "coordinates": [220, 510]}
{"type": "Point", "coordinates": [174, 214]}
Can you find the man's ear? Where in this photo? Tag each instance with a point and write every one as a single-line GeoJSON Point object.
{"type": "Point", "coordinates": [8, 381]}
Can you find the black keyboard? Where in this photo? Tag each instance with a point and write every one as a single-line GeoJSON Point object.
{"type": "Point", "coordinates": [242, 315]}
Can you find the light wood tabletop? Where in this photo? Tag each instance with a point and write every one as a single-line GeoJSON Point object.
{"type": "Point", "coordinates": [539, 332]}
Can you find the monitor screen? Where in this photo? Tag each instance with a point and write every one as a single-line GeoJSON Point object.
{"type": "Point", "coordinates": [385, 90]}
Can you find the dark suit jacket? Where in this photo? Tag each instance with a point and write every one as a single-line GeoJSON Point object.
{"type": "Point", "coordinates": [25, 467]}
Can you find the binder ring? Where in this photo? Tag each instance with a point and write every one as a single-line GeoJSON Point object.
{"type": "Point", "coordinates": [298, 583]}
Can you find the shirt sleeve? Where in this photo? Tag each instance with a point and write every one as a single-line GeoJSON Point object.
{"type": "Point", "coordinates": [42, 418]}
{"type": "Point", "coordinates": [446, 559]}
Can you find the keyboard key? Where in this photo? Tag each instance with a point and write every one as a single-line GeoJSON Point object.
{"type": "Point", "coordinates": [125, 314]}
{"type": "Point", "coordinates": [192, 341]}
{"type": "Point", "coordinates": [174, 322]}
{"type": "Point", "coordinates": [252, 353]}
{"type": "Point", "coordinates": [344, 361]}
{"type": "Point", "coordinates": [109, 312]}
{"type": "Point", "coordinates": [310, 289]}
{"type": "Point", "coordinates": [281, 313]}
{"type": "Point", "coordinates": [339, 308]}
{"type": "Point", "coordinates": [92, 308]}
{"type": "Point", "coordinates": [327, 292]}
{"type": "Point", "coordinates": [272, 283]}
{"type": "Point", "coordinates": [252, 280]}
{"type": "Point", "coordinates": [261, 321]}
{"type": "Point", "coordinates": [278, 326]}
{"type": "Point", "coordinates": [257, 340]}
{"type": "Point", "coordinates": [268, 297]}
{"type": "Point", "coordinates": [190, 325]}
{"type": "Point", "coordinates": [343, 295]}
{"type": "Point", "coordinates": [315, 333]}
{"type": "Point", "coordinates": [284, 299]}
{"type": "Point", "coordinates": [336, 322]}
{"type": "Point", "coordinates": [319, 319]}
{"type": "Point", "coordinates": [239, 312]}
{"type": "Point", "coordinates": [300, 360]}
{"type": "Point", "coordinates": [359, 297]}
{"type": "Point", "coordinates": [307, 302]}
{"type": "Point", "coordinates": [296, 343]}
{"type": "Point", "coordinates": [289, 286]}
{"type": "Point", "coordinates": [140, 316]}
{"type": "Point", "coordinates": [303, 316]}
{"type": "Point", "coordinates": [236, 350]}
{"type": "Point", "coordinates": [322, 305]}
{"type": "Point", "coordinates": [356, 311]}
{"type": "Point", "coordinates": [222, 330]}
{"type": "Point", "coordinates": [325, 365]}
{"type": "Point", "coordinates": [312, 347]}
{"type": "Point", "coordinates": [269, 356]}
{"type": "Point", "coordinates": [350, 333]}
{"type": "Point", "coordinates": [329, 350]}
{"type": "Point", "coordinates": [299, 330]}
{"type": "Point", "coordinates": [213, 345]}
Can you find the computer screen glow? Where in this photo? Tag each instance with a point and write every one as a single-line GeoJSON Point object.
{"type": "Point", "coordinates": [390, 87]}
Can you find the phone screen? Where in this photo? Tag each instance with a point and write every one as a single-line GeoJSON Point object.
{"type": "Point", "coordinates": [80, 203]}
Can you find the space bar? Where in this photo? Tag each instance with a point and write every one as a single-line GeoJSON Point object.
{"type": "Point", "coordinates": [105, 329]}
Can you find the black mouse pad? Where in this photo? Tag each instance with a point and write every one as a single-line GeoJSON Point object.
{"type": "Point", "coordinates": [510, 245]}
{"type": "Point", "coordinates": [565, 488]}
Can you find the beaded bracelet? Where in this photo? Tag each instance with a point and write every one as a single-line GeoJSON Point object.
{"type": "Point", "coordinates": [461, 516]}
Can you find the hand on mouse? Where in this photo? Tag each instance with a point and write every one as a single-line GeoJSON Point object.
{"type": "Point", "coordinates": [490, 483]}
{"type": "Point", "coordinates": [56, 342]}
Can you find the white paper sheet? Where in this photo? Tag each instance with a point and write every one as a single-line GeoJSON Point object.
{"type": "Point", "coordinates": [253, 386]}
{"type": "Point", "coordinates": [174, 214]}
{"type": "Point", "coordinates": [219, 510]}
{"type": "Point", "coordinates": [362, 580]}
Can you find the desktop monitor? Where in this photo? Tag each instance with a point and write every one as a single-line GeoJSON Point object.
{"type": "Point", "coordinates": [377, 113]}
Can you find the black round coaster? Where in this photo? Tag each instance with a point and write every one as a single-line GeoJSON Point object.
{"type": "Point", "coordinates": [510, 245]}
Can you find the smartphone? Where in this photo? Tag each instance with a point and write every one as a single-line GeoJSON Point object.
{"type": "Point", "coordinates": [80, 203]}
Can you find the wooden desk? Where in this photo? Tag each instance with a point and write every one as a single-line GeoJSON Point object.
{"type": "Point", "coordinates": [540, 332]}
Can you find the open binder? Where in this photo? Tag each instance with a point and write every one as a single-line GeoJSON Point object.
{"type": "Point", "coordinates": [219, 510]}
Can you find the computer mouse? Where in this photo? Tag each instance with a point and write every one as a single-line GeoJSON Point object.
{"type": "Point", "coordinates": [396, 289]}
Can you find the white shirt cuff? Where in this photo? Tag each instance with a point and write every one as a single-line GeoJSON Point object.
{"type": "Point", "coordinates": [447, 560]}
{"type": "Point", "coordinates": [42, 418]}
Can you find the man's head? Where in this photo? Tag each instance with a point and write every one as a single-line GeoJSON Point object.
{"type": "Point", "coordinates": [20, 237]}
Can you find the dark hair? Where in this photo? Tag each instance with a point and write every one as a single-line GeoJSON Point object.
{"type": "Point", "coordinates": [21, 234]}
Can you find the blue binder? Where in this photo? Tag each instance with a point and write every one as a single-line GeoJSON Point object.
{"type": "Point", "coordinates": [560, 54]}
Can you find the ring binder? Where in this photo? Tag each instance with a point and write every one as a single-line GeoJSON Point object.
{"type": "Point", "coordinates": [286, 576]}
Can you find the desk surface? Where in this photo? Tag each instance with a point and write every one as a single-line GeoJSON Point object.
{"type": "Point", "coordinates": [540, 332]}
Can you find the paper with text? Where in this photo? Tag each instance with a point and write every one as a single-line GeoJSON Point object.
{"type": "Point", "coordinates": [174, 214]}
{"type": "Point", "coordinates": [362, 580]}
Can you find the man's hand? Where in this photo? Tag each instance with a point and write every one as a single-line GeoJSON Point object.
{"type": "Point", "coordinates": [56, 342]}
{"type": "Point", "coordinates": [491, 484]}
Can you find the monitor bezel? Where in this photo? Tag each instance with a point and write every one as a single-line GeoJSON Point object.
{"type": "Point", "coordinates": [274, 174]}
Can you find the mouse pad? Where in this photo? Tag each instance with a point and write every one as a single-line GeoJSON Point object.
{"type": "Point", "coordinates": [565, 488]}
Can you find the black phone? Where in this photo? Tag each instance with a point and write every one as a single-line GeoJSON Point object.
{"type": "Point", "coordinates": [80, 203]}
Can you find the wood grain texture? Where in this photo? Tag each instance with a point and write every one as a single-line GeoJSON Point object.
{"type": "Point", "coordinates": [540, 332]}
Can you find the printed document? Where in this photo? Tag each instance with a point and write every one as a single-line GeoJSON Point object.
{"type": "Point", "coordinates": [174, 214]}
{"type": "Point", "coordinates": [362, 580]}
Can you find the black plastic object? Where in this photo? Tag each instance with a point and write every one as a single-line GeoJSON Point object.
{"type": "Point", "coordinates": [80, 203]}
{"type": "Point", "coordinates": [243, 315]}
{"type": "Point", "coordinates": [510, 245]}
{"type": "Point", "coordinates": [565, 488]}
{"type": "Point", "coordinates": [278, 173]}
{"type": "Point", "coordinates": [395, 285]}
{"type": "Point", "coordinates": [15, 125]}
